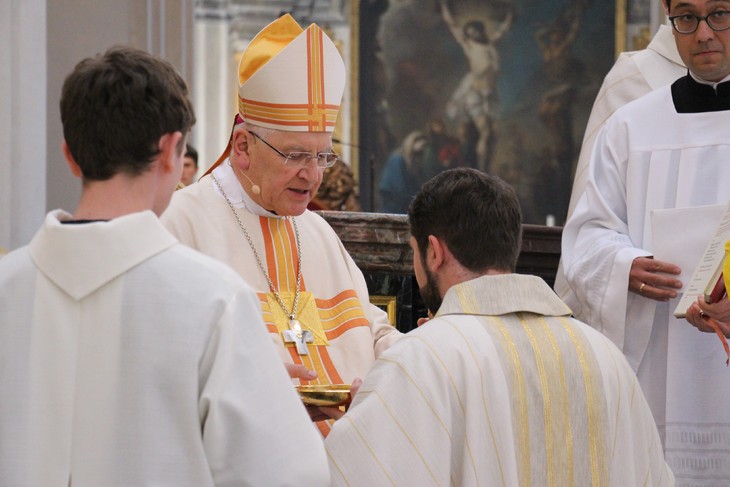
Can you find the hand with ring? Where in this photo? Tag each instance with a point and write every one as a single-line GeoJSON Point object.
{"type": "Point", "coordinates": [700, 312]}
{"type": "Point", "coordinates": [653, 279]}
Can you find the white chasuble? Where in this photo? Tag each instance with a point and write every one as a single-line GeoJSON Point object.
{"type": "Point", "coordinates": [500, 388]}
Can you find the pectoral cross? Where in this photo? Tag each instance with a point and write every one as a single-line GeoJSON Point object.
{"type": "Point", "coordinates": [298, 336]}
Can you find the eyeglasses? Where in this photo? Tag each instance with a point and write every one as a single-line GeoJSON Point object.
{"type": "Point", "coordinates": [688, 23]}
{"type": "Point", "coordinates": [300, 159]}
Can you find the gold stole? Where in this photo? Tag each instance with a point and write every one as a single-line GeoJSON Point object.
{"type": "Point", "coordinates": [563, 433]}
{"type": "Point", "coordinates": [282, 264]}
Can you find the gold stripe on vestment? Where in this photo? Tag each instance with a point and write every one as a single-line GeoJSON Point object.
{"type": "Point", "coordinates": [515, 376]}
{"type": "Point", "coordinates": [562, 441]}
{"type": "Point", "coordinates": [594, 403]}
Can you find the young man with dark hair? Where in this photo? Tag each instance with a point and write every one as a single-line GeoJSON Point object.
{"type": "Point", "coordinates": [190, 166]}
{"type": "Point", "coordinates": [501, 386]}
{"type": "Point", "coordinates": [658, 159]}
{"type": "Point", "coordinates": [127, 358]}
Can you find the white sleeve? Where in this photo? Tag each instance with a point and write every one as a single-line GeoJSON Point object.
{"type": "Point", "coordinates": [597, 251]}
{"type": "Point", "coordinates": [256, 430]}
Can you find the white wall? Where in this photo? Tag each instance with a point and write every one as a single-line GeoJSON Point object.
{"type": "Point", "coordinates": [40, 43]}
{"type": "Point", "coordinates": [82, 28]}
{"type": "Point", "coordinates": [22, 119]}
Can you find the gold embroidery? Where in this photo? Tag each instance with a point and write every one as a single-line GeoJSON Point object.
{"type": "Point", "coordinates": [596, 414]}
{"type": "Point", "coordinates": [515, 376]}
{"type": "Point", "coordinates": [307, 315]}
{"type": "Point", "coordinates": [467, 299]}
{"type": "Point", "coordinates": [553, 358]}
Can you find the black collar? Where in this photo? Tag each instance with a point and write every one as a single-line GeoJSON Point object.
{"type": "Point", "coordinates": [689, 96]}
{"type": "Point", "coordinates": [80, 222]}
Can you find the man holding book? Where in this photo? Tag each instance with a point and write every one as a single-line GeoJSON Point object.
{"type": "Point", "coordinates": [664, 151]}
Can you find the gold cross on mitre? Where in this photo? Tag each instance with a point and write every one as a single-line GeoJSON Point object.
{"type": "Point", "coordinates": [296, 335]}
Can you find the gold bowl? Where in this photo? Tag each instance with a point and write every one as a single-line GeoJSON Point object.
{"type": "Point", "coordinates": [324, 394]}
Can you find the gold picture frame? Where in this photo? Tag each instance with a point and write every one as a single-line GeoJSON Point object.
{"type": "Point", "coordinates": [636, 23]}
{"type": "Point", "coordinates": [387, 304]}
{"type": "Point", "coordinates": [620, 27]}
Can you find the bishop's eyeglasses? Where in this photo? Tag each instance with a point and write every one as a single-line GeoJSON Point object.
{"type": "Point", "coordinates": [300, 159]}
{"type": "Point", "coordinates": [688, 23]}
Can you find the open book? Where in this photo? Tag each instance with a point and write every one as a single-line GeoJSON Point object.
{"type": "Point", "coordinates": [707, 279]}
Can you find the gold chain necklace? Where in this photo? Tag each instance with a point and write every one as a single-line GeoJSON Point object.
{"type": "Point", "coordinates": [296, 334]}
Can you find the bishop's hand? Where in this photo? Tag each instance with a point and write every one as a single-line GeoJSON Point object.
{"type": "Point", "coordinates": [298, 371]}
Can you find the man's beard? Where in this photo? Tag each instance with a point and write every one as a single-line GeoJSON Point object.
{"type": "Point", "coordinates": [430, 292]}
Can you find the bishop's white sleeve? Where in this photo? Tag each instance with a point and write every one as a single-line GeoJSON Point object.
{"type": "Point", "coordinates": [256, 431]}
{"type": "Point", "coordinates": [597, 251]}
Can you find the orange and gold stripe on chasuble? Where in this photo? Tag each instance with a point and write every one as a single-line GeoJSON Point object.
{"type": "Point", "coordinates": [327, 319]}
{"type": "Point", "coordinates": [316, 115]}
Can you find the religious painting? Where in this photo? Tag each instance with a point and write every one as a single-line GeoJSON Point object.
{"type": "Point", "coordinates": [505, 86]}
{"type": "Point", "coordinates": [635, 29]}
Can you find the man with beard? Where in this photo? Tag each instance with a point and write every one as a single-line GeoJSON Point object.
{"type": "Point", "coordinates": [501, 386]}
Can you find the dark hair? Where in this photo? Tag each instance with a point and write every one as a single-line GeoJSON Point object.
{"type": "Point", "coordinates": [191, 153]}
{"type": "Point", "coordinates": [477, 215]}
{"type": "Point", "coordinates": [116, 106]}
